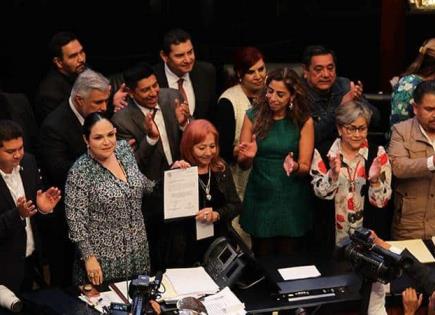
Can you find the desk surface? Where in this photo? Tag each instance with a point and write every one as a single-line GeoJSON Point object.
{"type": "Point", "coordinates": [262, 297]}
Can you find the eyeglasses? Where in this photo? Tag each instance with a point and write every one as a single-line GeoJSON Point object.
{"type": "Point", "coordinates": [353, 130]}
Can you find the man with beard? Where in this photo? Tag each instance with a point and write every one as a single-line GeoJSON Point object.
{"type": "Point", "coordinates": [412, 158]}
{"type": "Point", "coordinates": [195, 80]}
{"type": "Point", "coordinates": [69, 60]}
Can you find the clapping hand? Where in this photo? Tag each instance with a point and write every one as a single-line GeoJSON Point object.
{"type": "Point", "coordinates": [182, 112]}
{"type": "Point", "coordinates": [355, 92]}
{"type": "Point", "coordinates": [47, 200]}
{"type": "Point", "coordinates": [290, 164]}
{"type": "Point", "coordinates": [151, 127]}
{"type": "Point", "coordinates": [375, 170]}
{"type": "Point", "coordinates": [334, 165]}
{"type": "Point", "coordinates": [248, 149]}
{"type": "Point", "coordinates": [26, 208]}
{"type": "Point", "coordinates": [120, 98]}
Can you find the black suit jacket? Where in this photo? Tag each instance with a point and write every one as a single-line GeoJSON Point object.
{"type": "Point", "coordinates": [60, 144]}
{"type": "Point", "coordinates": [53, 90]}
{"type": "Point", "coordinates": [203, 77]}
{"type": "Point", "coordinates": [12, 228]}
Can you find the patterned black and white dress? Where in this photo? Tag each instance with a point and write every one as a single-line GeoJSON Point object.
{"type": "Point", "coordinates": [104, 216]}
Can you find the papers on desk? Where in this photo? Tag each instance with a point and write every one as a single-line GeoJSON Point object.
{"type": "Point", "coordinates": [184, 282]}
{"type": "Point", "coordinates": [102, 300]}
{"type": "Point", "coordinates": [301, 272]}
{"type": "Point", "coordinates": [180, 195]}
{"type": "Point", "coordinates": [416, 248]}
{"type": "Point", "coordinates": [224, 302]}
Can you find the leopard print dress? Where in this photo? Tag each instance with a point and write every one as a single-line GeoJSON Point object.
{"type": "Point", "coordinates": [104, 216]}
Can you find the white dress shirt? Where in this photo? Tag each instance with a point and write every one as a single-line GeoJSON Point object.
{"type": "Point", "coordinates": [187, 86]}
{"type": "Point", "coordinates": [16, 189]}
{"type": "Point", "coordinates": [429, 162]}
{"type": "Point", "coordinates": [76, 113]}
{"type": "Point", "coordinates": [160, 122]}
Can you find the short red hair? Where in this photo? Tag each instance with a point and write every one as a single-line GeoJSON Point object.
{"type": "Point", "coordinates": [196, 132]}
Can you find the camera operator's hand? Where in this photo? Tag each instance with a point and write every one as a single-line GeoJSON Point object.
{"type": "Point", "coordinates": [93, 269]}
{"type": "Point", "coordinates": [379, 241]}
{"type": "Point", "coordinates": [410, 301]}
{"type": "Point", "coordinates": [156, 307]}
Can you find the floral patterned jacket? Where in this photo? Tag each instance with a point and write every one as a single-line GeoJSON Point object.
{"type": "Point", "coordinates": [348, 190]}
{"type": "Point", "coordinates": [402, 99]}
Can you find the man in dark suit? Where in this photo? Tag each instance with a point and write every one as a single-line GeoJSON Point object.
{"type": "Point", "coordinates": [196, 80]}
{"type": "Point", "coordinates": [60, 144]}
{"type": "Point", "coordinates": [20, 200]}
{"type": "Point", "coordinates": [69, 60]}
{"type": "Point", "coordinates": [152, 123]}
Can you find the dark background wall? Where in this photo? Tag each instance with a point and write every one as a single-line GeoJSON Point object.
{"type": "Point", "coordinates": [118, 33]}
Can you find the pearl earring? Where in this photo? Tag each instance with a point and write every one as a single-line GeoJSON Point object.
{"type": "Point", "coordinates": [290, 106]}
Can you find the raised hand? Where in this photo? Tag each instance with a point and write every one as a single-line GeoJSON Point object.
{"type": "Point", "coordinates": [355, 92]}
{"type": "Point", "coordinates": [334, 165]}
{"type": "Point", "coordinates": [47, 200]}
{"type": "Point", "coordinates": [290, 165]}
{"type": "Point", "coordinates": [26, 208]}
{"type": "Point", "coordinates": [411, 302]}
{"type": "Point", "coordinates": [248, 149]}
{"type": "Point", "coordinates": [120, 98]}
{"type": "Point", "coordinates": [93, 270]}
{"type": "Point", "coordinates": [151, 127]}
{"type": "Point", "coordinates": [182, 112]}
{"type": "Point", "coordinates": [375, 170]}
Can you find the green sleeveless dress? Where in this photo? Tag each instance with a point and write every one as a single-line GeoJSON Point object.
{"type": "Point", "coordinates": [276, 204]}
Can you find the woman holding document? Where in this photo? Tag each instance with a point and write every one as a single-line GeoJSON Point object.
{"type": "Point", "coordinates": [103, 197]}
{"type": "Point", "coordinates": [218, 199]}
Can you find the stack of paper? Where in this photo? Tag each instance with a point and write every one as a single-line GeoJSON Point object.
{"type": "Point", "coordinates": [415, 247]}
{"type": "Point", "coordinates": [184, 282]}
{"type": "Point", "coordinates": [102, 300]}
{"type": "Point", "coordinates": [224, 302]}
{"type": "Point", "coordinates": [301, 272]}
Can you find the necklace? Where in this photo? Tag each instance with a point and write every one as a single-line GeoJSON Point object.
{"type": "Point", "coordinates": [205, 187]}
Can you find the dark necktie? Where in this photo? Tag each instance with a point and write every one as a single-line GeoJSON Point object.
{"type": "Point", "coordinates": [181, 89]}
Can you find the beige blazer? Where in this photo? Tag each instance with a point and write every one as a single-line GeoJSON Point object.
{"type": "Point", "coordinates": [414, 194]}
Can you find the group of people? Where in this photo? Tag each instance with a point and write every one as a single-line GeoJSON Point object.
{"type": "Point", "coordinates": [263, 150]}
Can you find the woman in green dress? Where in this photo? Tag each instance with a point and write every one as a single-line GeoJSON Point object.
{"type": "Point", "coordinates": [277, 139]}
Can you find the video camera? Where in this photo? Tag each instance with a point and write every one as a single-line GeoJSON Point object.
{"type": "Point", "coordinates": [141, 290]}
{"type": "Point", "coordinates": [371, 261]}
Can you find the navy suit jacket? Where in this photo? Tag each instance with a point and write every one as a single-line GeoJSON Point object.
{"type": "Point", "coordinates": [203, 77]}
{"type": "Point", "coordinates": [13, 237]}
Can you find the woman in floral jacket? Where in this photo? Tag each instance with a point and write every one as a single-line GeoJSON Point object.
{"type": "Point", "coordinates": [358, 177]}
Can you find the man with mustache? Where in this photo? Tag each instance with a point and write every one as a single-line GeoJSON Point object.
{"type": "Point", "coordinates": [196, 80]}
{"type": "Point", "coordinates": [412, 159]}
{"type": "Point", "coordinates": [326, 91]}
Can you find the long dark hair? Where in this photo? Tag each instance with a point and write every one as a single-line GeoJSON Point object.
{"type": "Point", "coordinates": [298, 114]}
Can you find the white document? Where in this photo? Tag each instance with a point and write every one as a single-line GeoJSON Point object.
{"type": "Point", "coordinates": [416, 248]}
{"type": "Point", "coordinates": [191, 281]}
{"type": "Point", "coordinates": [301, 272]}
{"type": "Point", "coordinates": [224, 302]}
{"type": "Point", "coordinates": [180, 194]}
{"type": "Point", "coordinates": [204, 230]}
{"type": "Point", "coordinates": [121, 290]}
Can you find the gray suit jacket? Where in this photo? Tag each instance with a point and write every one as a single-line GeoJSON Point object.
{"type": "Point", "coordinates": [129, 123]}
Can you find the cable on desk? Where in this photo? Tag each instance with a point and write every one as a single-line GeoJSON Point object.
{"type": "Point", "coordinates": [247, 286]}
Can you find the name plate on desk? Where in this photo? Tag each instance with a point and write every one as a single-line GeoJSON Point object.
{"type": "Point", "coordinates": [308, 285]}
